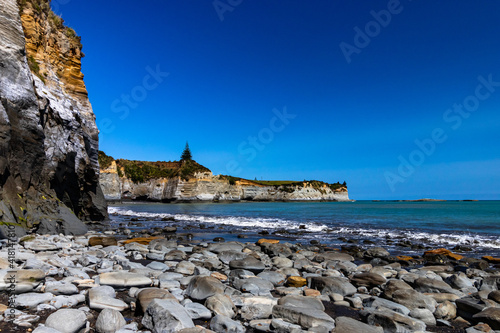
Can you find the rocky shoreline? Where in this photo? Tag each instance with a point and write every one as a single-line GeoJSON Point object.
{"type": "Point", "coordinates": [161, 281]}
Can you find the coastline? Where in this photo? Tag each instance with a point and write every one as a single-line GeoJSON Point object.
{"type": "Point", "coordinates": [253, 285]}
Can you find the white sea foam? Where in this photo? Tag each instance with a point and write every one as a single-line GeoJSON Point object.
{"type": "Point", "coordinates": [238, 221]}
{"type": "Point", "coordinates": [487, 242]}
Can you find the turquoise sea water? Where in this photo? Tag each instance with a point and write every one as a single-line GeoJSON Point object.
{"type": "Point", "coordinates": [435, 224]}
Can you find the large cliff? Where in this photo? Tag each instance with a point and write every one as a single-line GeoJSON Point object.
{"type": "Point", "coordinates": [202, 185]}
{"type": "Point", "coordinates": [49, 169]}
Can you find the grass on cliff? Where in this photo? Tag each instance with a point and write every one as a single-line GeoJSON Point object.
{"type": "Point", "coordinates": [141, 171]}
{"type": "Point", "coordinates": [289, 185]}
{"type": "Point", "coordinates": [42, 8]}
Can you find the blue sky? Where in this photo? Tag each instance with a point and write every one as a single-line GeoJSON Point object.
{"type": "Point", "coordinates": [327, 90]}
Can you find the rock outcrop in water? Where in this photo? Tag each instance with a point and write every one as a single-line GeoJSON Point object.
{"type": "Point", "coordinates": [49, 168]}
{"type": "Point", "coordinates": [202, 185]}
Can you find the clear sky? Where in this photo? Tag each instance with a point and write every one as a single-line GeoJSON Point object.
{"type": "Point", "coordinates": [398, 98]}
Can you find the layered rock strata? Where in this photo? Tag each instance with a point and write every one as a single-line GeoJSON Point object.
{"type": "Point", "coordinates": [204, 186]}
{"type": "Point", "coordinates": [49, 170]}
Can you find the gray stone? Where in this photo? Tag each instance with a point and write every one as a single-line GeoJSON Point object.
{"type": "Point", "coordinates": [424, 315]}
{"type": "Point", "coordinates": [349, 325]}
{"type": "Point", "coordinates": [276, 278]}
{"type": "Point", "coordinates": [31, 300]}
{"type": "Point", "coordinates": [147, 295]}
{"type": "Point", "coordinates": [157, 266]}
{"type": "Point", "coordinates": [67, 320]}
{"type": "Point", "coordinates": [281, 326]}
{"type": "Point", "coordinates": [124, 279]}
{"type": "Point", "coordinates": [412, 299]}
{"type": "Point", "coordinates": [393, 285]}
{"type": "Point", "coordinates": [223, 324]}
{"type": "Point", "coordinates": [221, 304]}
{"type": "Point", "coordinates": [446, 310]}
{"type": "Point", "coordinates": [45, 329]}
{"type": "Point", "coordinates": [197, 311]}
{"type": "Point", "coordinates": [426, 285]}
{"type": "Point", "coordinates": [468, 307]}
{"type": "Point", "coordinates": [306, 318]}
{"type": "Point", "coordinates": [257, 307]}
{"type": "Point", "coordinates": [377, 302]}
{"type": "Point", "coordinates": [202, 287]}
{"type": "Point", "coordinates": [228, 246]}
{"type": "Point", "coordinates": [250, 263]}
{"type": "Point", "coordinates": [104, 297]}
{"type": "Point", "coordinates": [254, 285]}
{"type": "Point", "coordinates": [228, 256]}
{"type": "Point", "coordinates": [331, 285]}
{"type": "Point", "coordinates": [302, 302]}
{"type": "Point", "coordinates": [333, 256]}
{"type": "Point", "coordinates": [185, 267]}
{"type": "Point", "coordinates": [377, 252]}
{"type": "Point", "coordinates": [165, 315]}
{"type": "Point", "coordinates": [368, 279]}
{"type": "Point", "coordinates": [109, 321]}
{"type": "Point", "coordinates": [61, 288]}
{"type": "Point", "coordinates": [392, 321]}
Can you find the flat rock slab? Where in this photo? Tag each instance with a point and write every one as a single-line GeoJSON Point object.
{"type": "Point", "coordinates": [349, 325]}
{"type": "Point", "coordinates": [124, 279]}
{"type": "Point", "coordinates": [304, 317]}
{"type": "Point", "coordinates": [250, 263]}
{"type": "Point", "coordinates": [490, 316]}
{"type": "Point", "coordinates": [166, 315]}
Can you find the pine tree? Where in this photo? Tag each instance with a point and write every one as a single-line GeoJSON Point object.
{"type": "Point", "coordinates": [186, 154]}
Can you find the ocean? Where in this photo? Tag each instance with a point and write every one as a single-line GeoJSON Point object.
{"type": "Point", "coordinates": [401, 227]}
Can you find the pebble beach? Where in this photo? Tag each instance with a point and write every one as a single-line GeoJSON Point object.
{"type": "Point", "coordinates": [109, 281]}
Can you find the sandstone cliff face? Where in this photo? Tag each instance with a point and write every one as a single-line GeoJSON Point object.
{"type": "Point", "coordinates": [206, 187]}
{"type": "Point", "coordinates": [48, 137]}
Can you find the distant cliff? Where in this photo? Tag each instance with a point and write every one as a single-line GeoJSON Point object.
{"type": "Point", "coordinates": [49, 168]}
{"type": "Point", "coordinates": [178, 181]}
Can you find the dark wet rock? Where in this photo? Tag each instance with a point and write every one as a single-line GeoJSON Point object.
{"type": "Point", "coordinates": [490, 316]}
{"type": "Point", "coordinates": [376, 252]}
{"type": "Point", "coordinates": [330, 256]}
{"type": "Point", "coordinates": [495, 296]}
{"type": "Point", "coordinates": [330, 285]}
{"type": "Point", "coordinates": [250, 263]}
{"type": "Point", "coordinates": [349, 325]}
{"type": "Point", "coordinates": [468, 307]}
{"type": "Point", "coordinates": [368, 279]}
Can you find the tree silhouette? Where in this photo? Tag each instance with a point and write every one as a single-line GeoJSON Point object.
{"type": "Point", "coordinates": [186, 154]}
